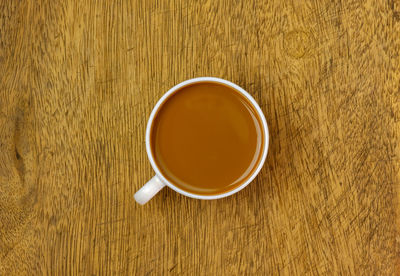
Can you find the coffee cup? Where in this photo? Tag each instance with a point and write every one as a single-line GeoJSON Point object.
{"type": "Point", "coordinates": [206, 138]}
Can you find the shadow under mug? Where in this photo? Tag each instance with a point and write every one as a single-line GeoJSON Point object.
{"type": "Point", "coordinates": [159, 181]}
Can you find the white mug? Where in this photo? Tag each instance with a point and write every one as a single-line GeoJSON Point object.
{"type": "Point", "coordinates": [159, 181]}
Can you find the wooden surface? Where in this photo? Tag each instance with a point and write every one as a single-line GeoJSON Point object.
{"type": "Point", "coordinates": [79, 80]}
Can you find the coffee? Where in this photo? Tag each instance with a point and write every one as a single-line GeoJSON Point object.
{"type": "Point", "coordinates": [207, 138]}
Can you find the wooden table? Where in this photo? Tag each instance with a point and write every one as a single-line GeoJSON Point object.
{"type": "Point", "coordinates": [79, 80]}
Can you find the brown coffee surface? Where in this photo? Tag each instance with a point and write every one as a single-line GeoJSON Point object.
{"type": "Point", "coordinates": [207, 138]}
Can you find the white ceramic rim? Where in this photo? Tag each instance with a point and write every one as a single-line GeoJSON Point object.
{"type": "Point", "coordinates": [165, 97]}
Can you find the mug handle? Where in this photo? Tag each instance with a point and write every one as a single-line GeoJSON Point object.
{"type": "Point", "coordinates": [150, 189]}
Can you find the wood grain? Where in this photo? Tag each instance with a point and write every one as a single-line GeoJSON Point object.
{"type": "Point", "coordinates": [79, 80]}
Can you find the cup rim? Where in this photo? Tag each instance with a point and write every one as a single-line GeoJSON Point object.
{"type": "Point", "coordinates": [166, 96]}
